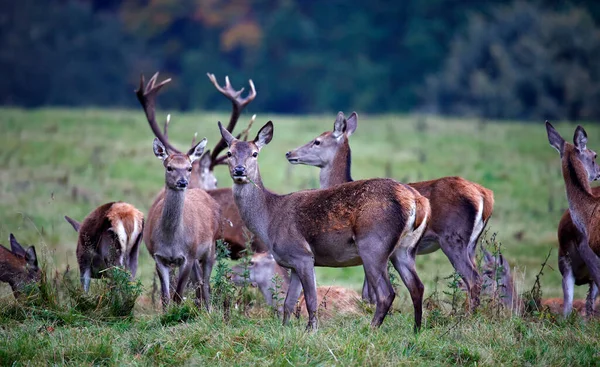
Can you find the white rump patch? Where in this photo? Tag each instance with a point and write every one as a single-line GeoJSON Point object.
{"type": "Point", "coordinates": [478, 224]}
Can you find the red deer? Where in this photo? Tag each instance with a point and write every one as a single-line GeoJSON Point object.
{"type": "Point", "coordinates": [579, 230]}
{"type": "Point", "coordinates": [183, 224]}
{"type": "Point", "coordinates": [109, 236]}
{"type": "Point", "coordinates": [234, 232]}
{"type": "Point", "coordinates": [262, 270]}
{"type": "Point", "coordinates": [498, 282]}
{"type": "Point", "coordinates": [18, 267]}
{"type": "Point", "coordinates": [356, 223]}
{"type": "Point", "coordinates": [460, 209]}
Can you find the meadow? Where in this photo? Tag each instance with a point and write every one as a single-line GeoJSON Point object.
{"type": "Point", "coordinates": [57, 162]}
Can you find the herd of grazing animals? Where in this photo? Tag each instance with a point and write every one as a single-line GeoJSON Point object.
{"type": "Point", "coordinates": [343, 223]}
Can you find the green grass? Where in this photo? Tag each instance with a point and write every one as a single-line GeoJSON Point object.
{"type": "Point", "coordinates": [67, 162]}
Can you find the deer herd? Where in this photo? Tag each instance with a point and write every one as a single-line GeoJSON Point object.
{"type": "Point", "coordinates": [343, 223]}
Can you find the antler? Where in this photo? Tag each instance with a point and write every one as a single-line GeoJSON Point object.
{"type": "Point", "coordinates": [243, 136]}
{"type": "Point", "coordinates": [147, 98]}
{"type": "Point", "coordinates": [238, 104]}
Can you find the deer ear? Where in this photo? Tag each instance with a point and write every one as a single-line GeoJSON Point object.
{"type": "Point", "coordinates": [197, 150]}
{"type": "Point", "coordinates": [555, 139]}
{"type": "Point", "coordinates": [159, 149]}
{"type": "Point", "coordinates": [264, 136]}
{"type": "Point", "coordinates": [339, 126]}
{"type": "Point", "coordinates": [75, 224]}
{"type": "Point", "coordinates": [580, 138]}
{"type": "Point", "coordinates": [205, 160]}
{"type": "Point", "coordinates": [226, 134]}
{"type": "Point", "coordinates": [31, 257]}
{"type": "Point", "coordinates": [16, 247]}
{"type": "Point", "coordinates": [351, 124]}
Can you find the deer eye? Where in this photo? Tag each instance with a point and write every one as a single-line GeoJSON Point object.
{"type": "Point", "coordinates": [189, 169]}
{"type": "Point", "coordinates": [229, 154]}
{"type": "Point", "coordinates": [169, 169]}
{"type": "Point", "coordinates": [251, 263]}
{"type": "Point", "coordinates": [317, 142]}
{"type": "Point", "coordinates": [255, 154]}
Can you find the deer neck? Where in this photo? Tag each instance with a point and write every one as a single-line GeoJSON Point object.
{"type": "Point", "coordinates": [172, 214]}
{"type": "Point", "coordinates": [338, 170]}
{"type": "Point", "coordinates": [255, 204]}
{"type": "Point", "coordinates": [582, 203]}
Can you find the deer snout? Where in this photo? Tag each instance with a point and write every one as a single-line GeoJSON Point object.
{"type": "Point", "coordinates": [288, 154]}
{"type": "Point", "coordinates": [182, 183]}
{"type": "Point", "coordinates": [239, 171]}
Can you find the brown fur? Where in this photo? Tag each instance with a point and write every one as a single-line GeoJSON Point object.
{"type": "Point", "coordinates": [454, 202]}
{"type": "Point", "coordinates": [579, 230]}
{"type": "Point", "coordinates": [349, 224]}
{"type": "Point", "coordinates": [183, 225]}
{"type": "Point", "coordinates": [16, 269]}
{"type": "Point", "coordinates": [233, 226]}
{"type": "Point", "coordinates": [98, 240]}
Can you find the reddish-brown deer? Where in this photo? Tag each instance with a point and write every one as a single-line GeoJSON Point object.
{"type": "Point", "coordinates": [579, 231]}
{"type": "Point", "coordinates": [183, 224]}
{"type": "Point", "coordinates": [262, 271]}
{"type": "Point", "coordinates": [109, 236]}
{"type": "Point", "coordinates": [360, 222]}
{"type": "Point", "coordinates": [460, 209]}
{"type": "Point", "coordinates": [18, 267]}
{"type": "Point", "coordinates": [234, 231]}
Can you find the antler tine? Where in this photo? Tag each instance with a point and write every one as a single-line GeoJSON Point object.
{"type": "Point", "coordinates": [238, 104]}
{"type": "Point", "coordinates": [147, 98]}
{"type": "Point", "coordinates": [246, 132]}
{"type": "Point", "coordinates": [166, 127]}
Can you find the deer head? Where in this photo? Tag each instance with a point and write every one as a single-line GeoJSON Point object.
{"type": "Point", "coordinates": [321, 151]}
{"type": "Point", "coordinates": [578, 152]}
{"type": "Point", "coordinates": [242, 155]}
{"type": "Point", "coordinates": [178, 166]}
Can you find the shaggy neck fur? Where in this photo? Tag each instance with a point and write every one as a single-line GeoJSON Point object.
{"type": "Point", "coordinates": [578, 190]}
{"type": "Point", "coordinates": [337, 171]}
{"type": "Point", "coordinates": [254, 203]}
{"type": "Point", "coordinates": [172, 214]}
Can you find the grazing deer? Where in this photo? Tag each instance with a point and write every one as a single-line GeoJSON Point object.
{"type": "Point", "coordinates": [262, 271]}
{"type": "Point", "coordinates": [234, 232]}
{"type": "Point", "coordinates": [18, 266]}
{"type": "Point", "coordinates": [579, 230]}
{"type": "Point", "coordinates": [460, 209]}
{"type": "Point", "coordinates": [109, 236]}
{"type": "Point", "coordinates": [498, 282]}
{"type": "Point", "coordinates": [360, 222]}
{"type": "Point", "coordinates": [183, 223]}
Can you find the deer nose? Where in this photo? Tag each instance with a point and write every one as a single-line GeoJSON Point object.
{"type": "Point", "coordinates": [182, 183]}
{"type": "Point", "coordinates": [288, 154]}
{"type": "Point", "coordinates": [239, 171]}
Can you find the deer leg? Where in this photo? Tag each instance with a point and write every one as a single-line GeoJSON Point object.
{"type": "Point", "coordinates": [590, 258]}
{"type": "Point", "coordinates": [404, 263]}
{"type": "Point", "coordinates": [368, 295]}
{"type": "Point", "coordinates": [196, 280]}
{"type": "Point", "coordinates": [207, 266]}
{"type": "Point", "coordinates": [591, 300]}
{"type": "Point", "coordinates": [133, 257]}
{"type": "Point", "coordinates": [163, 275]}
{"type": "Point", "coordinates": [184, 275]}
{"type": "Point", "coordinates": [292, 296]}
{"type": "Point", "coordinates": [306, 273]}
{"type": "Point", "coordinates": [460, 259]}
{"type": "Point", "coordinates": [568, 282]}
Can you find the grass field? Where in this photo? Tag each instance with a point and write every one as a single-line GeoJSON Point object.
{"type": "Point", "coordinates": [56, 162]}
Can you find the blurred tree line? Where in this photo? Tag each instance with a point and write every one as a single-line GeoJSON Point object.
{"type": "Point", "coordinates": [498, 59]}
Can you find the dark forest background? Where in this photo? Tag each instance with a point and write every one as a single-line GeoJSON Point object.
{"type": "Point", "coordinates": [492, 59]}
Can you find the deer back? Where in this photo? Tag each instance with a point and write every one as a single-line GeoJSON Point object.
{"type": "Point", "coordinates": [108, 234]}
